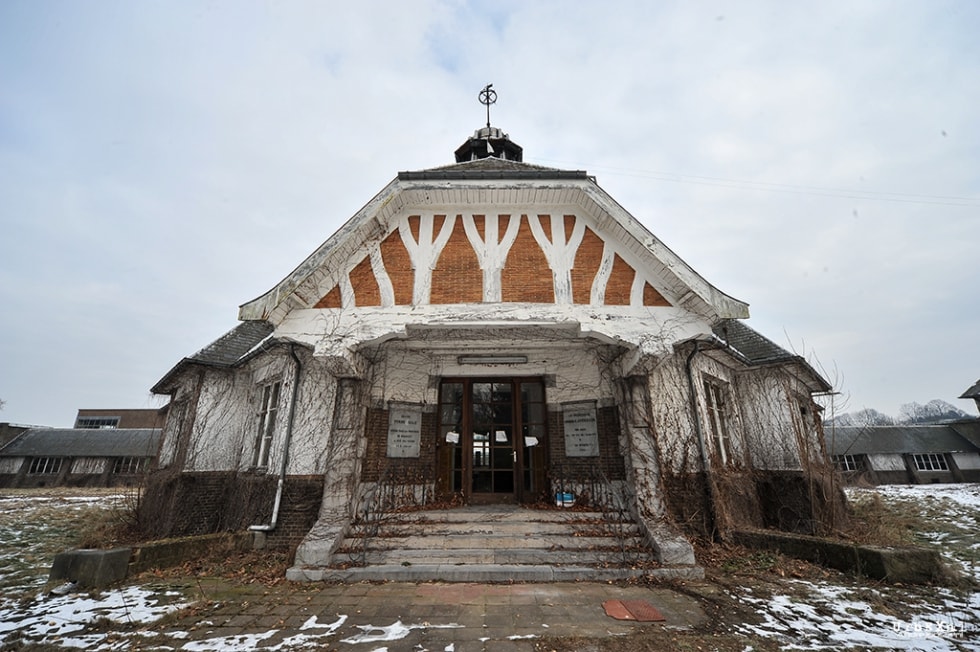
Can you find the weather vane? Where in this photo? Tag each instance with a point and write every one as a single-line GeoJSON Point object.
{"type": "Point", "coordinates": [488, 96]}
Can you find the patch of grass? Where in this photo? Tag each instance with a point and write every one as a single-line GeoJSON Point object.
{"type": "Point", "coordinates": [880, 523]}
{"type": "Point", "coordinates": [757, 561]}
{"type": "Point", "coordinates": [932, 521]}
{"type": "Point", "coordinates": [33, 529]}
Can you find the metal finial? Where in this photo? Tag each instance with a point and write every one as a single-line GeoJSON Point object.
{"type": "Point", "coordinates": [488, 96]}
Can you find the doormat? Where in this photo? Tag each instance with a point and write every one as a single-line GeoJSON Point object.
{"type": "Point", "coordinates": [639, 610]}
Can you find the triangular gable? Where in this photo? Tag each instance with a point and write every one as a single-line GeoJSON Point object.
{"type": "Point", "coordinates": [479, 233]}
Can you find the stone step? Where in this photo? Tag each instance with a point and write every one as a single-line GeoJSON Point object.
{"type": "Point", "coordinates": [484, 556]}
{"type": "Point", "coordinates": [488, 573]}
{"type": "Point", "coordinates": [500, 536]}
{"type": "Point", "coordinates": [505, 542]}
{"type": "Point", "coordinates": [431, 528]}
{"type": "Point", "coordinates": [498, 514]}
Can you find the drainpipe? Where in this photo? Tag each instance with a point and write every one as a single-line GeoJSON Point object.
{"type": "Point", "coordinates": [271, 525]}
{"type": "Point", "coordinates": [702, 445]}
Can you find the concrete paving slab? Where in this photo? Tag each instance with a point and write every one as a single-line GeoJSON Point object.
{"type": "Point", "coordinates": [424, 616]}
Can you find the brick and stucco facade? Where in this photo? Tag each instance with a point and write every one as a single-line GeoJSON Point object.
{"type": "Point", "coordinates": [490, 331]}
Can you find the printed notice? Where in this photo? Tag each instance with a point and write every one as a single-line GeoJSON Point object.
{"type": "Point", "coordinates": [452, 437]}
{"type": "Point", "coordinates": [404, 430]}
{"type": "Point", "coordinates": [501, 436]}
{"type": "Point", "coordinates": [530, 441]}
{"type": "Point", "coordinates": [581, 429]}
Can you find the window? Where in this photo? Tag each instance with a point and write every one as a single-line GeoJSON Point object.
{"type": "Point", "coordinates": [716, 403]}
{"type": "Point", "coordinates": [124, 465]}
{"type": "Point", "coordinates": [930, 462]}
{"type": "Point", "coordinates": [45, 465]}
{"type": "Point", "coordinates": [97, 422]}
{"type": "Point", "coordinates": [848, 462]}
{"type": "Point", "coordinates": [266, 423]}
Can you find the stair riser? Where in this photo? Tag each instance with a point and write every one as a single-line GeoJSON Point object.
{"type": "Point", "coordinates": [414, 557]}
{"type": "Point", "coordinates": [517, 516]}
{"type": "Point", "coordinates": [490, 543]}
{"type": "Point", "coordinates": [496, 529]}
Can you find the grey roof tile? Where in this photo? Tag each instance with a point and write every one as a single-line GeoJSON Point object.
{"type": "Point", "coordinates": [491, 168]}
{"type": "Point", "coordinates": [228, 350]}
{"type": "Point", "coordinates": [864, 440]}
{"type": "Point", "coordinates": [84, 442]}
{"type": "Point", "coordinates": [234, 345]}
{"type": "Point", "coordinates": [755, 347]}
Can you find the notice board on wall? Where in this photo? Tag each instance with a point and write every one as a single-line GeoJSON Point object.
{"type": "Point", "coordinates": [581, 429]}
{"type": "Point", "coordinates": [404, 429]}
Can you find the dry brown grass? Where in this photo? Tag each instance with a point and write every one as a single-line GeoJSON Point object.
{"type": "Point", "coordinates": [875, 522]}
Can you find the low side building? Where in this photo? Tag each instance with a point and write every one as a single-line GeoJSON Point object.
{"type": "Point", "coordinates": [908, 454]}
{"type": "Point", "coordinates": [119, 453]}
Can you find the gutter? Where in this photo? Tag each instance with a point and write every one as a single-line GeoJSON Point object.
{"type": "Point", "coordinates": [702, 444]}
{"type": "Point", "coordinates": [271, 525]}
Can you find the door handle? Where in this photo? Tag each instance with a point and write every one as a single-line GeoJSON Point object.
{"type": "Point", "coordinates": [514, 453]}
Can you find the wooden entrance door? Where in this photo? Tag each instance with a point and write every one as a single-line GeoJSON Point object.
{"type": "Point", "coordinates": [492, 438]}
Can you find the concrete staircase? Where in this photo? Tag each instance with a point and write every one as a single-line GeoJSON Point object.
{"type": "Point", "coordinates": [492, 544]}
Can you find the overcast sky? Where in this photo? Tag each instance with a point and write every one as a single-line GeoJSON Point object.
{"type": "Point", "coordinates": [162, 163]}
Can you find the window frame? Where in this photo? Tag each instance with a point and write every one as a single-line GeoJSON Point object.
{"type": "Point", "coordinates": [266, 416]}
{"type": "Point", "coordinates": [717, 401]}
{"type": "Point", "coordinates": [97, 423]}
{"type": "Point", "coordinates": [848, 463]}
{"type": "Point", "coordinates": [45, 465]}
{"type": "Point", "coordinates": [129, 465]}
{"type": "Point", "coordinates": [930, 462]}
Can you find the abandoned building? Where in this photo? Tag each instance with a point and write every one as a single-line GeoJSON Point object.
{"type": "Point", "coordinates": [489, 333]}
{"type": "Point", "coordinates": [908, 454]}
{"type": "Point", "coordinates": [105, 448]}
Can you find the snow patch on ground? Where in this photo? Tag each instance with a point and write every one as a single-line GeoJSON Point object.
{"type": "Point", "coordinates": [62, 620]}
{"type": "Point", "coordinates": [394, 632]}
{"type": "Point", "coordinates": [823, 616]}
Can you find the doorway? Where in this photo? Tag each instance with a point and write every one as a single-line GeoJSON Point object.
{"type": "Point", "coordinates": [493, 439]}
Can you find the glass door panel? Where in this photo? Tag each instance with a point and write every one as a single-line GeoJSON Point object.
{"type": "Point", "coordinates": [492, 438]}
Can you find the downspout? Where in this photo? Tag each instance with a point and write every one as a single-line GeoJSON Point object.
{"type": "Point", "coordinates": [702, 445]}
{"type": "Point", "coordinates": [271, 525]}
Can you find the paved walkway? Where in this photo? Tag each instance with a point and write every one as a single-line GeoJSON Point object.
{"type": "Point", "coordinates": [456, 617]}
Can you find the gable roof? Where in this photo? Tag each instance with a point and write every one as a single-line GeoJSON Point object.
{"type": "Point", "coordinates": [969, 429]}
{"type": "Point", "coordinates": [896, 440]}
{"type": "Point", "coordinates": [973, 392]}
{"type": "Point", "coordinates": [232, 348]}
{"type": "Point", "coordinates": [487, 181]}
{"type": "Point", "coordinates": [84, 442]}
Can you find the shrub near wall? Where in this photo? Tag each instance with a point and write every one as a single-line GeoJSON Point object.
{"type": "Point", "coordinates": [783, 500]}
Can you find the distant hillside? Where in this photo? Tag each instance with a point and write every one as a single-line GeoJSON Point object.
{"type": "Point", "coordinates": [935, 411]}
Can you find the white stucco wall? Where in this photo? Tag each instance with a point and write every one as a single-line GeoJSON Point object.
{"type": "Point", "coordinates": [967, 461]}
{"type": "Point", "coordinates": [775, 429]}
{"type": "Point", "coordinates": [216, 440]}
{"type": "Point", "coordinates": [89, 465]}
{"type": "Point", "coordinates": [403, 373]}
{"type": "Point", "coordinates": [671, 411]}
{"type": "Point", "coordinates": [886, 462]}
{"type": "Point", "coordinates": [312, 422]}
{"type": "Point", "coordinates": [10, 464]}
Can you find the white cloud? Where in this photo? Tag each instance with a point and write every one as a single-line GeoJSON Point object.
{"type": "Point", "coordinates": [162, 163]}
